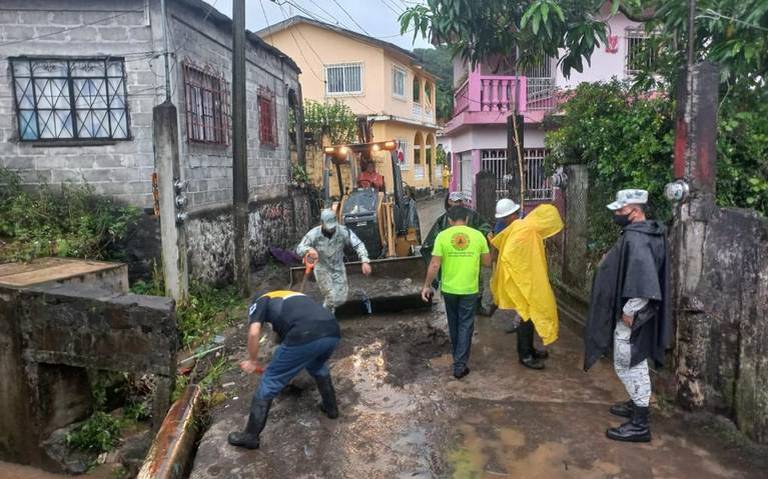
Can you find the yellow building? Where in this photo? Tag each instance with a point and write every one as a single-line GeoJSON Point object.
{"type": "Point", "coordinates": [377, 80]}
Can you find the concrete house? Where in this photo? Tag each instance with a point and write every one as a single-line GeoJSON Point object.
{"type": "Point", "coordinates": [376, 79]}
{"type": "Point", "coordinates": [79, 83]}
{"type": "Point", "coordinates": [486, 95]}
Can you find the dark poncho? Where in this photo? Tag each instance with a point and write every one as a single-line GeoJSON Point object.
{"type": "Point", "coordinates": [636, 267]}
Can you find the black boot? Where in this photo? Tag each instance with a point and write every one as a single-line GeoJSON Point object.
{"type": "Point", "coordinates": [634, 430]}
{"type": "Point", "coordinates": [328, 395]}
{"type": "Point", "coordinates": [257, 418]}
{"type": "Point", "coordinates": [622, 409]}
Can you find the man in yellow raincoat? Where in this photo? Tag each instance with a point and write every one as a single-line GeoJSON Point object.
{"type": "Point", "coordinates": [520, 280]}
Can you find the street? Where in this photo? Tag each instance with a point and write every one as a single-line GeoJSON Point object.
{"type": "Point", "coordinates": [403, 414]}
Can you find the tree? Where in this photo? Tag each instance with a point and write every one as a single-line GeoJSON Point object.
{"type": "Point", "coordinates": [732, 33]}
{"type": "Point", "coordinates": [439, 61]}
{"type": "Point", "coordinates": [533, 28]}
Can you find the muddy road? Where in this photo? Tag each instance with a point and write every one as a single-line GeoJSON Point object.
{"type": "Point", "coordinates": [403, 415]}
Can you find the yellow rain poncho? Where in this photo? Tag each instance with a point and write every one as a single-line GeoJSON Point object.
{"type": "Point", "coordinates": [520, 280]}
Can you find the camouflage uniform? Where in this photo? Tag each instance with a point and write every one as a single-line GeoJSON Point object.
{"type": "Point", "coordinates": [330, 272]}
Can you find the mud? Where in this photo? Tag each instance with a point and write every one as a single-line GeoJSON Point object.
{"type": "Point", "coordinates": [403, 415]}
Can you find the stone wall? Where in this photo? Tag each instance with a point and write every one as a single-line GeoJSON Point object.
{"type": "Point", "coordinates": [722, 333]}
{"type": "Point", "coordinates": [50, 335]}
{"type": "Point", "coordinates": [279, 222]}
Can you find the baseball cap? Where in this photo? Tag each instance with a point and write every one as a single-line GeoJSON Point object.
{"type": "Point", "coordinates": [629, 197]}
{"type": "Point", "coordinates": [328, 219]}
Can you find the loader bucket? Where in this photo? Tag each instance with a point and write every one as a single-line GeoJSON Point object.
{"type": "Point", "coordinates": [394, 285]}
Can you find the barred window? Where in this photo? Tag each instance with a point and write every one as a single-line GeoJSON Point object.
{"type": "Point", "coordinates": [639, 55]}
{"type": "Point", "coordinates": [344, 79]}
{"type": "Point", "coordinates": [398, 82]}
{"type": "Point", "coordinates": [267, 118]}
{"type": "Point", "coordinates": [70, 99]}
{"type": "Point", "coordinates": [207, 98]}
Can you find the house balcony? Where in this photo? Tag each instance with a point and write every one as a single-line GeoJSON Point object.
{"type": "Point", "coordinates": [489, 99]}
{"type": "Point", "coordinates": [423, 113]}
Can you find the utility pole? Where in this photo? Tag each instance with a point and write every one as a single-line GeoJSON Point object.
{"type": "Point", "coordinates": [171, 188]}
{"type": "Point", "coordinates": [242, 257]}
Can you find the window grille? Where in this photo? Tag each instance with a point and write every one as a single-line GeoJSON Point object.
{"type": "Point", "coordinates": [70, 99]}
{"type": "Point", "coordinates": [398, 82]}
{"type": "Point", "coordinates": [267, 118]}
{"type": "Point", "coordinates": [638, 56]}
{"type": "Point", "coordinates": [344, 79]}
{"type": "Point", "coordinates": [537, 184]}
{"type": "Point", "coordinates": [207, 99]}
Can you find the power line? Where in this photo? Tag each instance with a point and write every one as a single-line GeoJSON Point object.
{"type": "Point", "coordinates": [301, 51]}
{"type": "Point", "coordinates": [330, 15]}
{"type": "Point", "coordinates": [391, 6]}
{"type": "Point", "coordinates": [64, 30]}
{"type": "Point", "coordinates": [350, 17]}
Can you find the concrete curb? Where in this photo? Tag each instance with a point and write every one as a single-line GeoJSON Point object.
{"type": "Point", "coordinates": [171, 450]}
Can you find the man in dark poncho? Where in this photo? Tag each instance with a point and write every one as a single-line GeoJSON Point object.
{"type": "Point", "coordinates": [629, 310]}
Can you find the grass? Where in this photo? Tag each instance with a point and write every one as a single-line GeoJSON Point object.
{"type": "Point", "coordinates": [206, 312]}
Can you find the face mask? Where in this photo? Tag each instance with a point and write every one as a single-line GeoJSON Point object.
{"type": "Point", "coordinates": [328, 232]}
{"type": "Point", "coordinates": [621, 220]}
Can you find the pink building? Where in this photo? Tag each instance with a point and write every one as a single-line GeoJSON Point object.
{"type": "Point", "coordinates": [485, 96]}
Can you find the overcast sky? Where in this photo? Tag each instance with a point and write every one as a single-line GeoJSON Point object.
{"type": "Point", "coordinates": [377, 18]}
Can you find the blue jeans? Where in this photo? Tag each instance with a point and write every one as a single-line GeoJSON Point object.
{"type": "Point", "coordinates": [460, 310]}
{"type": "Point", "coordinates": [288, 361]}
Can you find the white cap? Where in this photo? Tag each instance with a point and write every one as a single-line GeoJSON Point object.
{"type": "Point", "coordinates": [506, 207]}
{"type": "Point", "coordinates": [456, 196]}
{"type": "Point", "coordinates": [328, 219]}
{"type": "Point", "coordinates": [629, 197]}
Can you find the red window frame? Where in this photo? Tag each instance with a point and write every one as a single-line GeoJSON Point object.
{"type": "Point", "coordinates": [267, 118]}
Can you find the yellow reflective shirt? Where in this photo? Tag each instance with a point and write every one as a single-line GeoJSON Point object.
{"type": "Point", "coordinates": [520, 279]}
{"type": "Point", "coordinates": [460, 248]}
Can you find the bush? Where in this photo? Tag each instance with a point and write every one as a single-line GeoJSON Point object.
{"type": "Point", "coordinates": [99, 433]}
{"type": "Point", "coordinates": [206, 311]}
{"type": "Point", "coordinates": [626, 139]}
{"type": "Point", "coordinates": [67, 221]}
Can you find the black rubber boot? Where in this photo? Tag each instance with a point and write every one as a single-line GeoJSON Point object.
{"type": "Point", "coordinates": [634, 430]}
{"type": "Point", "coordinates": [328, 396]}
{"type": "Point", "coordinates": [257, 418]}
{"type": "Point", "coordinates": [623, 409]}
{"type": "Point", "coordinates": [540, 353]}
{"type": "Point", "coordinates": [531, 362]}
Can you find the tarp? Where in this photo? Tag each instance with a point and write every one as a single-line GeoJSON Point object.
{"type": "Point", "coordinates": [520, 280]}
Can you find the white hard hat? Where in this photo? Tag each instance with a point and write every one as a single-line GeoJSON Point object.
{"type": "Point", "coordinates": [506, 207]}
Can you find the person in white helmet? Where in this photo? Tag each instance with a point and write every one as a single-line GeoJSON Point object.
{"type": "Point", "coordinates": [521, 262]}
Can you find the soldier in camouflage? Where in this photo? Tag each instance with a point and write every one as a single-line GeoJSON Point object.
{"type": "Point", "coordinates": [324, 245]}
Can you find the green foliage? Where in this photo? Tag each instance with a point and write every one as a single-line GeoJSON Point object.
{"type": "Point", "coordinates": [441, 157]}
{"type": "Point", "coordinates": [439, 61]}
{"type": "Point", "coordinates": [153, 287]}
{"type": "Point", "coordinates": [206, 311]}
{"type": "Point", "coordinates": [625, 140]}
{"type": "Point", "coordinates": [299, 174]}
{"type": "Point", "coordinates": [67, 221]}
{"type": "Point", "coordinates": [99, 433]}
{"type": "Point", "coordinates": [333, 119]}
{"type": "Point", "coordinates": [569, 30]}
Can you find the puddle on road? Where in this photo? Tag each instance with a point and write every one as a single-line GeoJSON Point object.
{"type": "Point", "coordinates": [484, 453]}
